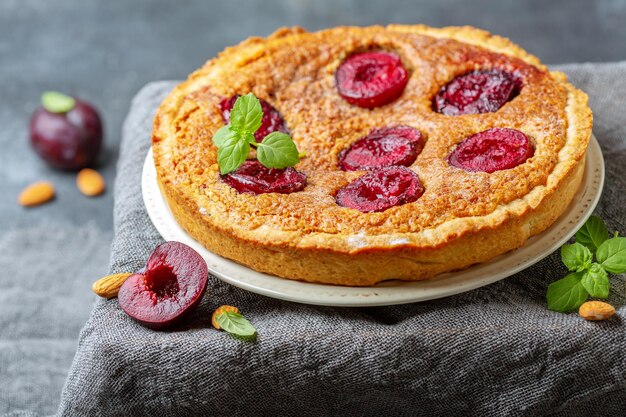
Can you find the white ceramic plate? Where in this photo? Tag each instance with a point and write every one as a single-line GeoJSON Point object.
{"type": "Point", "coordinates": [389, 292]}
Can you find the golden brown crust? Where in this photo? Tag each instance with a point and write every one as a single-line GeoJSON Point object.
{"type": "Point", "coordinates": [461, 219]}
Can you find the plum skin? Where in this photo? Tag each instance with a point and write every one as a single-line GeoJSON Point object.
{"type": "Point", "coordinates": [70, 140]}
{"type": "Point", "coordinates": [171, 286]}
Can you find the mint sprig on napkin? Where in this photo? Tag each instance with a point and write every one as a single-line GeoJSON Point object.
{"type": "Point", "coordinates": [235, 323]}
{"type": "Point", "coordinates": [588, 278]}
{"type": "Point", "coordinates": [234, 140]}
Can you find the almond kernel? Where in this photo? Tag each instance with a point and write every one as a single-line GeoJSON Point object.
{"type": "Point", "coordinates": [109, 286]}
{"type": "Point", "coordinates": [220, 310]}
{"type": "Point", "coordinates": [90, 182]}
{"type": "Point", "coordinates": [35, 194]}
{"type": "Point", "coordinates": [596, 310]}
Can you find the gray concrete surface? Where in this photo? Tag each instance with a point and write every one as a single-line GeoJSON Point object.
{"type": "Point", "coordinates": [104, 51]}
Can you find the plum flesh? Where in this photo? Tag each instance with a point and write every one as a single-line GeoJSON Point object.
{"type": "Point", "coordinates": [371, 79]}
{"type": "Point", "coordinates": [172, 284]}
{"type": "Point", "coordinates": [397, 145]}
{"type": "Point", "coordinates": [482, 91]}
{"type": "Point", "coordinates": [492, 150]}
{"type": "Point", "coordinates": [381, 189]}
{"type": "Point", "coordinates": [254, 178]}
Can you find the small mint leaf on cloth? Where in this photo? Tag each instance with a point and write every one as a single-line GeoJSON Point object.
{"type": "Point", "coordinates": [232, 154]}
{"type": "Point", "coordinates": [576, 257]}
{"type": "Point", "coordinates": [246, 115]}
{"type": "Point", "coordinates": [236, 324]}
{"type": "Point", "coordinates": [596, 281]}
{"type": "Point", "coordinates": [593, 233]}
{"type": "Point", "coordinates": [224, 133]}
{"type": "Point", "coordinates": [277, 151]}
{"type": "Point", "coordinates": [611, 255]}
{"type": "Point", "coordinates": [567, 293]}
{"type": "Point", "coordinates": [56, 102]}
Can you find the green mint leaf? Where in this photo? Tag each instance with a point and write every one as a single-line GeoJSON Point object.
{"type": "Point", "coordinates": [576, 257]}
{"type": "Point", "coordinates": [246, 115]}
{"type": "Point", "coordinates": [596, 281]}
{"type": "Point", "coordinates": [56, 102]}
{"type": "Point", "coordinates": [249, 137]}
{"type": "Point", "coordinates": [567, 293]}
{"type": "Point", "coordinates": [223, 134]}
{"type": "Point", "coordinates": [235, 323]}
{"type": "Point", "coordinates": [593, 233]}
{"type": "Point", "coordinates": [612, 255]}
{"type": "Point", "coordinates": [277, 151]}
{"type": "Point", "coordinates": [232, 154]}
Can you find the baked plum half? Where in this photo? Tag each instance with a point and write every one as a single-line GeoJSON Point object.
{"type": "Point", "coordinates": [397, 145]}
{"type": "Point", "coordinates": [381, 189]}
{"type": "Point", "coordinates": [483, 91]}
{"type": "Point", "coordinates": [252, 177]}
{"type": "Point", "coordinates": [371, 79]}
{"type": "Point", "coordinates": [492, 150]}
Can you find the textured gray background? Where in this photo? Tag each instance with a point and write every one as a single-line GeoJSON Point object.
{"type": "Point", "coordinates": [105, 51]}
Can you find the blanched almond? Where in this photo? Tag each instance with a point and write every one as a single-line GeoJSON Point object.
{"type": "Point", "coordinates": [37, 193]}
{"type": "Point", "coordinates": [90, 182]}
{"type": "Point", "coordinates": [596, 310]}
{"type": "Point", "coordinates": [220, 310]}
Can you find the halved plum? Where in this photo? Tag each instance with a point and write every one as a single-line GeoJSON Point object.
{"type": "Point", "coordinates": [272, 120]}
{"type": "Point", "coordinates": [492, 150]}
{"type": "Point", "coordinates": [397, 145]}
{"type": "Point", "coordinates": [481, 91]}
{"type": "Point", "coordinates": [371, 79]}
{"type": "Point", "coordinates": [171, 285]}
{"type": "Point", "coordinates": [381, 189]}
{"type": "Point", "coordinates": [254, 178]}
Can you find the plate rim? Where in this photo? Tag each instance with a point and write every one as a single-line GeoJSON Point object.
{"type": "Point", "coordinates": [390, 292]}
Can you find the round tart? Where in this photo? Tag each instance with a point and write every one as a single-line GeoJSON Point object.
{"type": "Point", "coordinates": [427, 150]}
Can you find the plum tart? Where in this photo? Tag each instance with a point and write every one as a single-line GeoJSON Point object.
{"type": "Point", "coordinates": [427, 151]}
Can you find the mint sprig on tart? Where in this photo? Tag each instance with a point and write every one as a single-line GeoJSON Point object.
{"type": "Point", "coordinates": [233, 141]}
{"type": "Point", "coordinates": [586, 277]}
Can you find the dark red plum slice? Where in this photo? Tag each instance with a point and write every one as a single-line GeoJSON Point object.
{"type": "Point", "coordinates": [492, 150]}
{"type": "Point", "coordinates": [381, 189]}
{"type": "Point", "coordinates": [172, 285]}
{"type": "Point", "coordinates": [254, 178]}
{"type": "Point", "coordinates": [371, 79]}
{"type": "Point", "coordinates": [482, 91]}
{"type": "Point", "coordinates": [272, 120]}
{"type": "Point", "coordinates": [398, 145]}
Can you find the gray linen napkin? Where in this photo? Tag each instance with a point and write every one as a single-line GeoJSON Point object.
{"type": "Point", "coordinates": [493, 351]}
